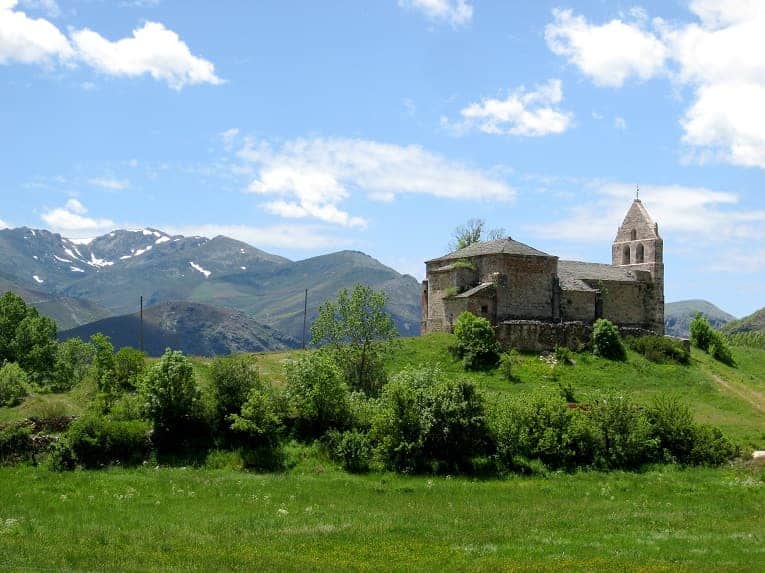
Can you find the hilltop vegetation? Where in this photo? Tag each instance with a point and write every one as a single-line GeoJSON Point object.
{"type": "Point", "coordinates": [755, 322]}
{"type": "Point", "coordinates": [678, 316]}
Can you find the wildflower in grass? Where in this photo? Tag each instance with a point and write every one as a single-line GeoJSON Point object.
{"type": "Point", "coordinates": [283, 511]}
{"type": "Point", "coordinates": [430, 483]}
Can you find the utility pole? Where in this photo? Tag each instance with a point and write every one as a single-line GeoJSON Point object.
{"type": "Point", "coordinates": [305, 316]}
{"type": "Point", "coordinates": [141, 331]}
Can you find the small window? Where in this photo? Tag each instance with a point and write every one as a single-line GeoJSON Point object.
{"type": "Point", "coordinates": [640, 254]}
{"type": "Point", "coordinates": [633, 235]}
{"type": "Point", "coordinates": [484, 309]}
{"type": "Point", "coordinates": [626, 256]}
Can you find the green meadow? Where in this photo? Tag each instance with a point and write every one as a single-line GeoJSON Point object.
{"type": "Point", "coordinates": [315, 517]}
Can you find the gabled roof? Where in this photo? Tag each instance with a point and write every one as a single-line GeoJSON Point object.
{"type": "Point", "coordinates": [499, 247]}
{"type": "Point", "coordinates": [575, 275]}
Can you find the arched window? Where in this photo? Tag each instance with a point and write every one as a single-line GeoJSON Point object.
{"type": "Point", "coordinates": [626, 255]}
{"type": "Point", "coordinates": [633, 235]}
{"type": "Point", "coordinates": [640, 254]}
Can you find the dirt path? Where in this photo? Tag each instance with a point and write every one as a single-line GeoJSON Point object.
{"type": "Point", "coordinates": [753, 397]}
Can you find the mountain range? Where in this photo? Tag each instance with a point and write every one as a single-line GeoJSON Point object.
{"type": "Point", "coordinates": [678, 316]}
{"type": "Point", "coordinates": [79, 282]}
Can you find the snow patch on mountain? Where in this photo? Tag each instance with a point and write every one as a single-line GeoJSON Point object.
{"type": "Point", "coordinates": [197, 267]}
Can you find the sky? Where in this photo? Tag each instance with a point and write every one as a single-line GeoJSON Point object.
{"type": "Point", "coordinates": [307, 127]}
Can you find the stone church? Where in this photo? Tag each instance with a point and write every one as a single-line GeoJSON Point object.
{"type": "Point", "coordinates": [537, 301]}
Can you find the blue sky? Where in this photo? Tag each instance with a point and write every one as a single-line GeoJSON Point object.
{"type": "Point", "coordinates": [308, 127]}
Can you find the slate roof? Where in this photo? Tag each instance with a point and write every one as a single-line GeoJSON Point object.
{"type": "Point", "coordinates": [475, 290]}
{"type": "Point", "coordinates": [575, 275]}
{"type": "Point", "coordinates": [499, 247]}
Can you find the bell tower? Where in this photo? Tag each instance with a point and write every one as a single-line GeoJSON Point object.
{"type": "Point", "coordinates": [638, 246]}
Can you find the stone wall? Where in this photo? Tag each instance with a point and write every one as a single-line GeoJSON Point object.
{"type": "Point", "coordinates": [624, 303]}
{"type": "Point", "coordinates": [483, 306]}
{"type": "Point", "coordinates": [578, 305]}
{"type": "Point", "coordinates": [439, 284]}
{"type": "Point", "coordinates": [540, 336]}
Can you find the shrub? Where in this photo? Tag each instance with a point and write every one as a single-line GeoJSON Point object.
{"type": "Point", "coordinates": [711, 448]}
{"type": "Point", "coordinates": [127, 407]}
{"type": "Point", "coordinates": [660, 349]}
{"type": "Point", "coordinates": [62, 458]}
{"type": "Point", "coordinates": [231, 381]}
{"type": "Point", "coordinates": [103, 361]}
{"type": "Point", "coordinates": [129, 366]}
{"type": "Point", "coordinates": [673, 427]}
{"type": "Point", "coordinates": [606, 341]}
{"type": "Point", "coordinates": [260, 420]}
{"type": "Point", "coordinates": [15, 444]}
{"type": "Point", "coordinates": [317, 395]}
{"type": "Point", "coordinates": [171, 397]}
{"type": "Point", "coordinates": [507, 364]}
{"type": "Point", "coordinates": [563, 355]}
{"type": "Point", "coordinates": [27, 338]}
{"type": "Point", "coordinates": [97, 441]}
{"type": "Point", "coordinates": [720, 350]}
{"type": "Point", "coordinates": [429, 422]}
{"type": "Point", "coordinates": [352, 449]}
{"type": "Point", "coordinates": [625, 434]}
{"type": "Point", "coordinates": [73, 361]}
{"type": "Point", "coordinates": [477, 345]}
{"type": "Point", "coordinates": [541, 427]}
{"type": "Point", "coordinates": [13, 385]}
{"type": "Point", "coordinates": [363, 410]}
{"type": "Point", "coordinates": [566, 391]}
{"type": "Point", "coordinates": [701, 332]}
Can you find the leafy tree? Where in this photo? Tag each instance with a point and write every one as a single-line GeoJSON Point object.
{"type": "Point", "coordinates": [357, 329]}
{"type": "Point", "coordinates": [606, 341]}
{"type": "Point", "coordinates": [701, 332]}
{"type": "Point", "coordinates": [35, 347]}
{"type": "Point", "coordinates": [171, 395]}
{"type": "Point", "coordinates": [477, 345]}
{"type": "Point", "coordinates": [13, 384]}
{"type": "Point", "coordinates": [472, 232]}
{"type": "Point", "coordinates": [73, 361]}
{"type": "Point", "coordinates": [318, 395]}
{"type": "Point", "coordinates": [260, 420]}
{"type": "Point", "coordinates": [103, 361]}
{"type": "Point", "coordinates": [232, 379]}
{"type": "Point", "coordinates": [129, 365]}
{"type": "Point", "coordinates": [13, 310]}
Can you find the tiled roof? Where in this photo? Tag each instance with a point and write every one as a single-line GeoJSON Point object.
{"type": "Point", "coordinates": [574, 275]}
{"type": "Point", "coordinates": [499, 247]}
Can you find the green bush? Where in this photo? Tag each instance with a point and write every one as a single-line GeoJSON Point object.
{"type": "Point", "coordinates": [352, 449]}
{"type": "Point", "coordinates": [74, 359]}
{"type": "Point", "coordinates": [477, 345]}
{"type": "Point", "coordinates": [673, 428]}
{"type": "Point", "coordinates": [231, 381]}
{"type": "Point", "coordinates": [720, 350]}
{"type": "Point", "coordinates": [660, 349]}
{"type": "Point", "coordinates": [61, 458]}
{"type": "Point", "coordinates": [129, 366]}
{"type": "Point", "coordinates": [624, 432]}
{"type": "Point", "coordinates": [541, 427]}
{"type": "Point", "coordinates": [13, 385]}
{"type": "Point", "coordinates": [507, 364]}
{"type": "Point", "coordinates": [606, 341]}
{"type": "Point", "coordinates": [15, 444]}
{"type": "Point", "coordinates": [127, 407]}
{"type": "Point", "coordinates": [701, 332]}
{"type": "Point", "coordinates": [427, 422]}
{"type": "Point", "coordinates": [563, 355]}
{"type": "Point", "coordinates": [97, 441]}
{"type": "Point", "coordinates": [711, 448]}
{"type": "Point", "coordinates": [103, 361]}
{"type": "Point", "coordinates": [171, 399]}
{"type": "Point", "coordinates": [318, 395]}
{"type": "Point", "coordinates": [260, 421]}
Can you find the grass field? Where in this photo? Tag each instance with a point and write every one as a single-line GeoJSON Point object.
{"type": "Point", "coordinates": [315, 517]}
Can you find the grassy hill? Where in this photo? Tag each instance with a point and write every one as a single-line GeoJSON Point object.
{"type": "Point", "coordinates": [678, 316]}
{"type": "Point", "coordinates": [196, 329]}
{"type": "Point", "coordinates": [755, 322]}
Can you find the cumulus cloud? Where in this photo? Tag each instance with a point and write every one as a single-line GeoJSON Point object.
{"type": "Point", "coordinates": [287, 236]}
{"type": "Point", "coordinates": [152, 49]}
{"type": "Point", "coordinates": [525, 113]}
{"type": "Point", "coordinates": [71, 220]}
{"type": "Point", "coordinates": [109, 183]}
{"type": "Point", "coordinates": [311, 178]}
{"type": "Point", "coordinates": [608, 53]}
{"type": "Point", "coordinates": [453, 12]}
{"type": "Point", "coordinates": [30, 40]}
{"type": "Point", "coordinates": [721, 58]}
{"type": "Point", "coordinates": [689, 214]}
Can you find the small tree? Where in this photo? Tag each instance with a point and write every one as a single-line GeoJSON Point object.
{"type": "Point", "coordinates": [73, 361]}
{"type": "Point", "coordinates": [13, 384]}
{"type": "Point", "coordinates": [171, 395]}
{"type": "Point", "coordinates": [232, 379]}
{"type": "Point", "coordinates": [103, 361]}
{"type": "Point", "coordinates": [260, 427]}
{"type": "Point", "coordinates": [129, 365]}
{"type": "Point", "coordinates": [477, 345]}
{"type": "Point", "coordinates": [701, 332]}
{"type": "Point", "coordinates": [606, 341]}
{"type": "Point", "coordinates": [472, 232]}
{"type": "Point", "coordinates": [35, 347]}
{"type": "Point", "coordinates": [357, 330]}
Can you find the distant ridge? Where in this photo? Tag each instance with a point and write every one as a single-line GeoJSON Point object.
{"type": "Point", "coordinates": [678, 316]}
{"type": "Point", "coordinates": [195, 329]}
{"type": "Point", "coordinates": [755, 322]}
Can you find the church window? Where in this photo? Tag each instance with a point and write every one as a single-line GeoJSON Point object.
{"type": "Point", "coordinates": [633, 235]}
{"type": "Point", "coordinates": [626, 255]}
{"type": "Point", "coordinates": [640, 255]}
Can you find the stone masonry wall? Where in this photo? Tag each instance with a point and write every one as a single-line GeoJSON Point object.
{"type": "Point", "coordinates": [578, 305]}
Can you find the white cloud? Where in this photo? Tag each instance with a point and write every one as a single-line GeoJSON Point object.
{"type": "Point", "coordinates": [690, 214]}
{"type": "Point", "coordinates": [609, 53]}
{"type": "Point", "coordinates": [313, 177]}
{"type": "Point", "coordinates": [620, 123]}
{"type": "Point", "coordinates": [229, 138]}
{"type": "Point", "coordinates": [287, 236]}
{"type": "Point", "coordinates": [109, 183]}
{"type": "Point", "coordinates": [453, 12]}
{"type": "Point", "coordinates": [30, 40]}
{"type": "Point", "coordinates": [4, 225]}
{"type": "Point", "coordinates": [153, 50]}
{"type": "Point", "coordinates": [71, 220]}
{"type": "Point", "coordinates": [523, 113]}
{"type": "Point", "coordinates": [721, 58]}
